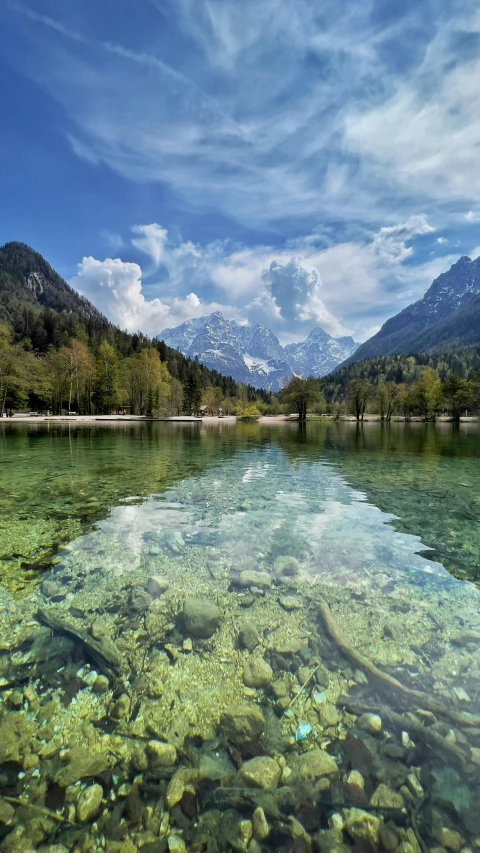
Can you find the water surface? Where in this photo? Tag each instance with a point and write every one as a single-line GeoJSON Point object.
{"type": "Point", "coordinates": [378, 523]}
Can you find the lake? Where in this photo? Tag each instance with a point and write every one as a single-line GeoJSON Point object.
{"type": "Point", "coordinates": [260, 637]}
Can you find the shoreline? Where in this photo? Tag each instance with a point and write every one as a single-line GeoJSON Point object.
{"type": "Point", "coordinates": [212, 419]}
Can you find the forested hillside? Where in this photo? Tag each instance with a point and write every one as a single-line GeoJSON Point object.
{"type": "Point", "coordinates": [422, 384]}
{"type": "Point", "coordinates": [58, 352]}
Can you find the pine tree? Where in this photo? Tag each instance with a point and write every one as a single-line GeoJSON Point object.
{"type": "Point", "coordinates": [192, 393]}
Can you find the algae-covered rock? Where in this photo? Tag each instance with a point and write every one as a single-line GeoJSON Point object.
{"type": "Point", "coordinates": [162, 754]}
{"type": "Point", "coordinates": [384, 798]}
{"type": "Point", "coordinates": [201, 617]}
{"type": "Point", "coordinates": [15, 735]}
{"type": "Point", "coordinates": [157, 584]}
{"type": "Point", "coordinates": [314, 764]}
{"type": "Point", "coordinates": [82, 764]}
{"type": "Point", "coordinates": [89, 803]}
{"type": "Point", "coordinates": [248, 636]}
{"type": "Point", "coordinates": [242, 723]}
{"type": "Point", "coordinates": [235, 832]}
{"type": "Point", "coordinates": [286, 567]}
{"type": "Point", "coordinates": [7, 812]}
{"type": "Point", "coordinates": [261, 829]}
{"type": "Point", "coordinates": [261, 772]}
{"type": "Point", "coordinates": [362, 825]}
{"type": "Point", "coordinates": [249, 578]}
{"type": "Point", "coordinates": [257, 673]}
{"type": "Point", "coordinates": [370, 723]}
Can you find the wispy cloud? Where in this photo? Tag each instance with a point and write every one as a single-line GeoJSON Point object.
{"type": "Point", "coordinates": [348, 136]}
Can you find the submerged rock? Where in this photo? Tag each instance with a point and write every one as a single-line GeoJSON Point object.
{"type": "Point", "coordinates": [362, 826]}
{"type": "Point", "coordinates": [82, 764]}
{"type": "Point", "coordinates": [201, 617]}
{"type": "Point", "coordinates": [286, 567]}
{"type": "Point", "coordinates": [261, 772]}
{"type": "Point", "coordinates": [371, 723]}
{"type": "Point", "coordinates": [163, 754]}
{"type": "Point", "coordinates": [157, 584]}
{"type": "Point", "coordinates": [249, 578]}
{"type": "Point", "coordinates": [235, 831]}
{"type": "Point", "coordinates": [257, 673]}
{"type": "Point", "coordinates": [314, 764]}
{"type": "Point", "coordinates": [261, 829]}
{"type": "Point", "coordinates": [7, 812]}
{"type": "Point", "coordinates": [242, 723]}
{"type": "Point", "coordinates": [89, 803]}
{"type": "Point", "coordinates": [384, 798]}
{"type": "Point", "coordinates": [248, 636]}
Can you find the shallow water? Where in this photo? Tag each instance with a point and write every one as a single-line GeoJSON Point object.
{"type": "Point", "coordinates": [135, 521]}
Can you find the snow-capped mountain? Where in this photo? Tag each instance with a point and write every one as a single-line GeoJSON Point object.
{"type": "Point", "coordinates": [448, 313]}
{"type": "Point", "coordinates": [252, 354]}
{"type": "Point", "coordinates": [319, 354]}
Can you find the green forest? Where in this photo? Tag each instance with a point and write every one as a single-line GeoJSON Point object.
{"type": "Point", "coordinates": [58, 353]}
{"type": "Point", "coordinates": [425, 385]}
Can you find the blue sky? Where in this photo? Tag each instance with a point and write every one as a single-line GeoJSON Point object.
{"type": "Point", "coordinates": [288, 162]}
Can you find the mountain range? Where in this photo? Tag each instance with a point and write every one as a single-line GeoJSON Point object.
{"type": "Point", "coordinates": [252, 354]}
{"type": "Point", "coordinates": [448, 314]}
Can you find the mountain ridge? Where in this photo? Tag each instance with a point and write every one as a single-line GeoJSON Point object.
{"type": "Point", "coordinates": [449, 312]}
{"type": "Point", "coordinates": [253, 354]}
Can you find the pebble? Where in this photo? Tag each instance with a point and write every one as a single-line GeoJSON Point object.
{"type": "Point", "coordinates": [121, 707]}
{"type": "Point", "coordinates": [248, 636]}
{"type": "Point", "coordinates": [101, 684]}
{"type": "Point", "coordinates": [201, 617]}
{"type": "Point", "coordinates": [176, 844]}
{"type": "Point", "coordinates": [316, 763]}
{"type": "Point", "coordinates": [371, 723]}
{"type": "Point", "coordinates": [362, 825]}
{"type": "Point", "coordinates": [261, 829]}
{"type": "Point", "coordinates": [384, 798]}
{"type": "Point", "coordinates": [290, 602]}
{"type": "Point", "coordinates": [261, 772]}
{"type": "Point", "coordinates": [242, 723]}
{"type": "Point", "coordinates": [355, 780]}
{"type": "Point", "coordinates": [157, 584]}
{"type": "Point", "coordinates": [257, 673]}
{"type": "Point", "coordinates": [249, 578]}
{"type": "Point", "coordinates": [163, 754]}
{"type": "Point", "coordinates": [286, 567]}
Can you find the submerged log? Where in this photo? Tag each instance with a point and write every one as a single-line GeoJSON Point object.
{"type": "Point", "coordinates": [422, 700]}
{"type": "Point", "coordinates": [104, 653]}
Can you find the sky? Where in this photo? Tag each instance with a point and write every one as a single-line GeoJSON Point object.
{"type": "Point", "coordinates": [291, 162]}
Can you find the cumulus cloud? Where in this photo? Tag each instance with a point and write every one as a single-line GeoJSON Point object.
{"type": "Point", "coordinates": [294, 287]}
{"type": "Point", "coordinates": [473, 216]}
{"type": "Point", "coordinates": [115, 288]}
{"type": "Point", "coordinates": [391, 241]}
{"type": "Point", "coordinates": [346, 288]}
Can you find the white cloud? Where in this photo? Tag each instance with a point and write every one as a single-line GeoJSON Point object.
{"type": "Point", "coordinates": [151, 241]}
{"type": "Point", "coordinates": [115, 288]}
{"type": "Point", "coordinates": [346, 288]}
{"type": "Point", "coordinates": [473, 216]}
{"type": "Point", "coordinates": [391, 241]}
{"type": "Point", "coordinates": [294, 287]}
{"type": "Point", "coordinates": [111, 238]}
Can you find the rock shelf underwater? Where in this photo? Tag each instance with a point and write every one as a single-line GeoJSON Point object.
{"type": "Point", "coordinates": [253, 660]}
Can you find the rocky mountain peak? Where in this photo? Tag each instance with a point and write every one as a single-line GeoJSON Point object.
{"type": "Point", "coordinates": [253, 354]}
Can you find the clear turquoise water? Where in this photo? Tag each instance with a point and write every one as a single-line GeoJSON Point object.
{"type": "Point", "coordinates": [383, 524]}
